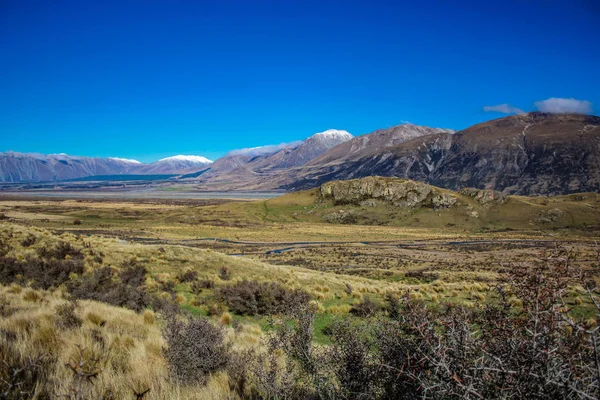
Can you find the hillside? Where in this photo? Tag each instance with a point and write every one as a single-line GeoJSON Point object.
{"type": "Point", "coordinates": [528, 154]}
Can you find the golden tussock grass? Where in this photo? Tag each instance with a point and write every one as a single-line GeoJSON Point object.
{"type": "Point", "coordinates": [226, 319]}
{"type": "Point", "coordinates": [125, 347]}
{"type": "Point", "coordinates": [339, 309]}
{"type": "Point", "coordinates": [149, 317]}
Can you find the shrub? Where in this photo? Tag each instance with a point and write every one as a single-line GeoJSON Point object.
{"type": "Point", "coordinates": [133, 275]}
{"type": "Point", "coordinates": [60, 251]}
{"type": "Point", "coordinates": [42, 274]}
{"type": "Point", "coordinates": [188, 276]}
{"type": "Point", "coordinates": [195, 349]}
{"type": "Point", "coordinates": [29, 240]}
{"type": "Point", "coordinates": [167, 306]}
{"type": "Point", "coordinates": [77, 222]}
{"type": "Point", "coordinates": [20, 376]}
{"type": "Point", "coordinates": [215, 309]}
{"type": "Point", "coordinates": [225, 273]}
{"type": "Point", "coordinates": [392, 306]}
{"type": "Point", "coordinates": [168, 286]}
{"type": "Point", "coordinates": [365, 309]}
{"type": "Point", "coordinates": [198, 286]}
{"type": "Point", "coordinates": [352, 361]}
{"type": "Point", "coordinates": [103, 285]}
{"type": "Point", "coordinates": [261, 298]}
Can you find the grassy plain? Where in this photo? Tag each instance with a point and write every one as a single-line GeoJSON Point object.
{"type": "Point", "coordinates": [285, 240]}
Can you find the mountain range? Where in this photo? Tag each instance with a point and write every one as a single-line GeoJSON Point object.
{"type": "Point", "coordinates": [529, 153]}
{"type": "Point", "coordinates": [29, 167]}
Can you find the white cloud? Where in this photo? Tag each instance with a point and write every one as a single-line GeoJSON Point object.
{"type": "Point", "coordinates": [503, 108]}
{"type": "Point", "coordinates": [558, 105]}
{"type": "Point", "coordinates": [263, 150]}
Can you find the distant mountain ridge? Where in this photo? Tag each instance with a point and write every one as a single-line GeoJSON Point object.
{"type": "Point", "coordinates": [33, 167]}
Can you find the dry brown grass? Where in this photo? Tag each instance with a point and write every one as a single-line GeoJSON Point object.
{"type": "Point", "coordinates": [127, 346]}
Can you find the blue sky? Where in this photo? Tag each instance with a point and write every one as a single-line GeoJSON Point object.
{"type": "Point", "coordinates": [147, 79]}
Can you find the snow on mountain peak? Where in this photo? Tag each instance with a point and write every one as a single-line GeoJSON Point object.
{"type": "Point", "coordinates": [263, 150]}
{"type": "Point", "coordinates": [334, 134]}
{"type": "Point", "coordinates": [191, 159]}
{"type": "Point", "coordinates": [127, 160]}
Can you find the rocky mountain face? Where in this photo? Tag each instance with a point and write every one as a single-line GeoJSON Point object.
{"type": "Point", "coordinates": [414, 159]}
{"type": "Point", "coordinates": [373, 142]}
{"type": "Point", "coordinates": [527, 154]}
{"type": "Point", "coordinates": [311, 148]}
{"type": "Point", "coordinates": [20, 167]}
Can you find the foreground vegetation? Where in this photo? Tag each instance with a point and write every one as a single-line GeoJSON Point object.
{"type": "Point", "coordinates": [532, 337]}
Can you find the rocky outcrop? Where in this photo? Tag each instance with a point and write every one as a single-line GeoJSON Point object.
{"type": "Point", "coordinates": [396, 192]}
{"type": "Point", "coordinates": [485, 196]}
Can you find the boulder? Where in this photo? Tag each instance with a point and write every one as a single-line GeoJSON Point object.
{"type": "Point", "coordinates": [485, 196]}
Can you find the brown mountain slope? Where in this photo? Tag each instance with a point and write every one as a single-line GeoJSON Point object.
{"type": "Point", "coordinates": [529, 154]}
{"type": "Point", "coordinates": [533, 153]}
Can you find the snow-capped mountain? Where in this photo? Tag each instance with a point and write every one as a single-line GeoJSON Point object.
{"type": "Point", "coordinates": [330, 137]}
{"type": "Point", "coordinates": [189, 160]}
{"type": "Point", "coordinates": [34, 167]}
{"type": "Point", "coordinates": [285, 155]}
{"type": "Point", "coordinates": [176, 164]}
{"type": "Point", "coordinates": [126, 160]}
{"type": "Point", "coordinates": [312, 147]}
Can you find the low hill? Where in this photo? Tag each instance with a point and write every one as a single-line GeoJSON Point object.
{"type": "Point", "coordinates": [401, 202]}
